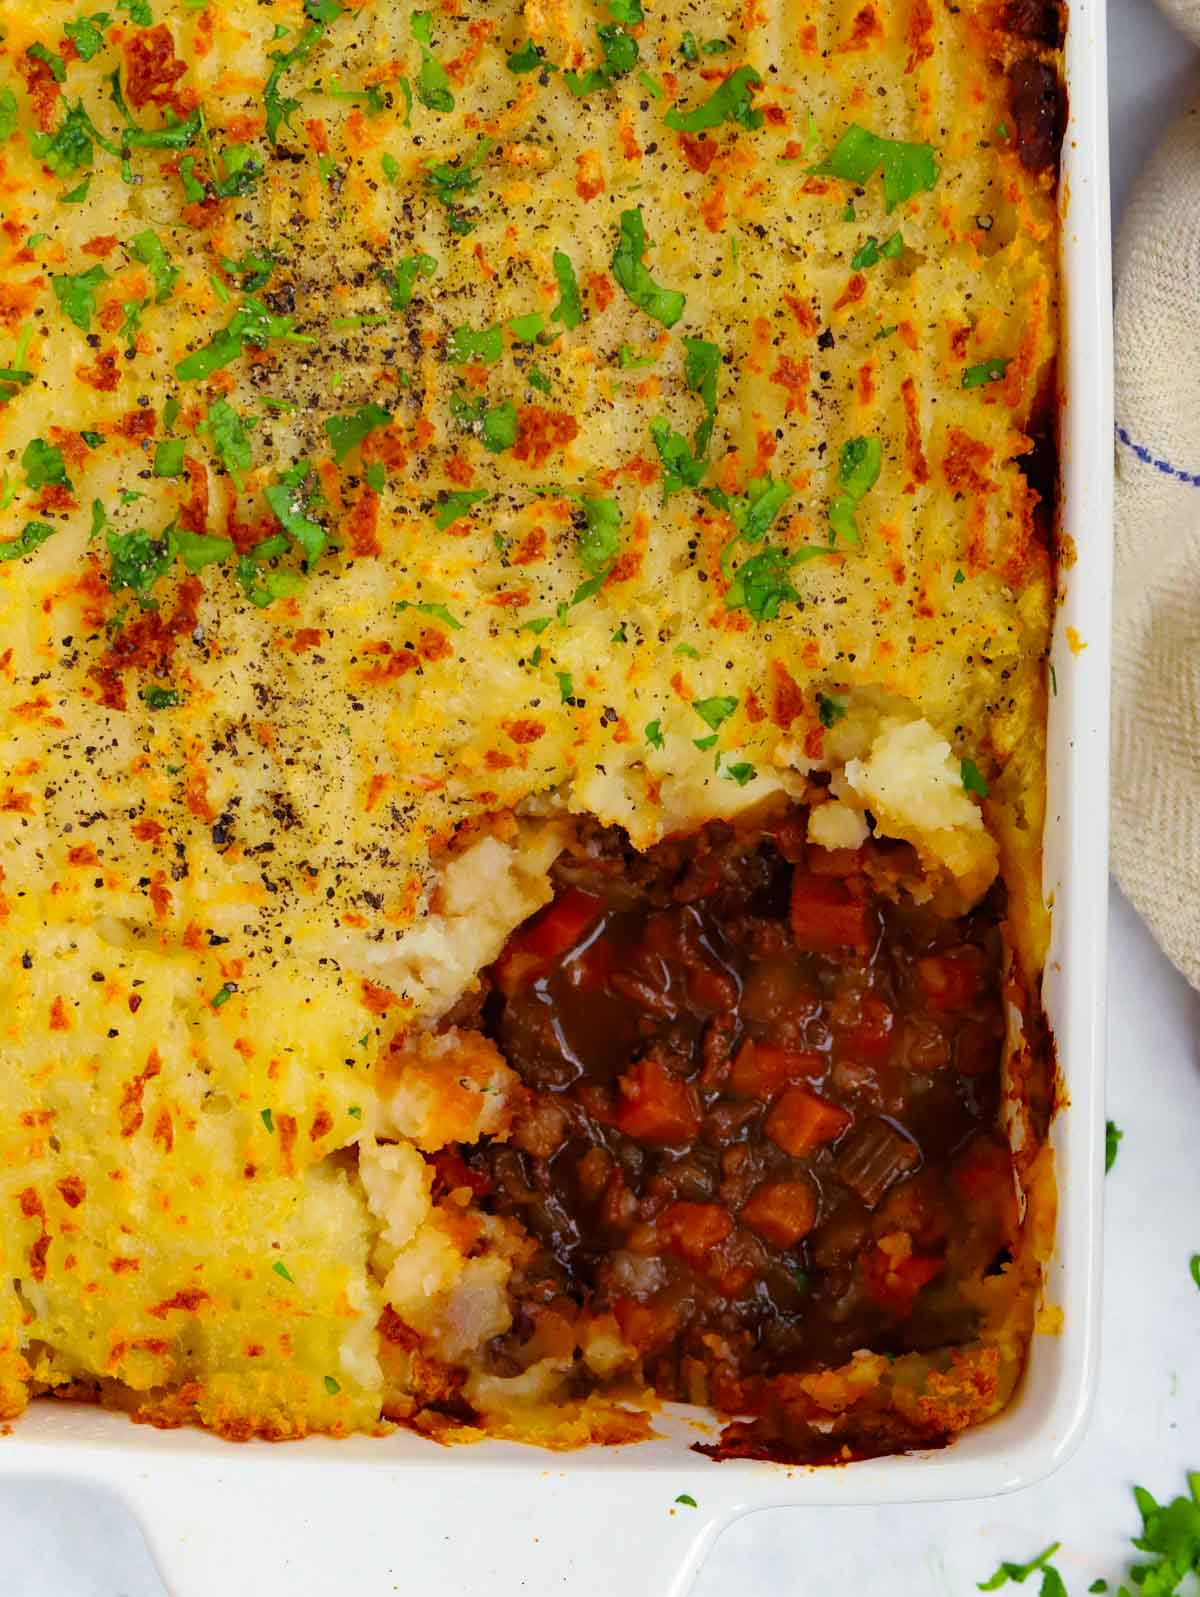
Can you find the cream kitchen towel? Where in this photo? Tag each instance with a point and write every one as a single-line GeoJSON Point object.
{"type": "Point", "coordinates": [1156, 661]}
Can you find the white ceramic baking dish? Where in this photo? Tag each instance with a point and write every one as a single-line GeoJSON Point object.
{"type": "Point", "coordinates": [373, 1516]}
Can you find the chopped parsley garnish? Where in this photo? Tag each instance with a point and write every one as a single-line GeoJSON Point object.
{"type": "Point", "coordinates": [77, 295]}
{"type": "Point", "coordinates": [268, 1119]}
{"type": "Point", "coordinates": [761, 584]}
{"type": "Point", "coordinates": [665, 305]}
{"type": "Point", "coordinates": [427, 607]}
{"type": "Point", "coordinates": [1112, 1141]}
{"type": "Point", "coordinates": [619, 55]}
{"type": "Point", "coordinates": [331, 1386]}
{"type": "Point", "coordinates": [250, 271]}
{"type": "Point", "coordinates": [433, 84]}
{"type": "Point", "coordinates": [829, 710]}
{"type": "Point", "coordinates": [27, 540]}
{"type": "Point", "coordinates": [569, 310]}
{"type": "Point", "coordinates": [464, 344]}
{"type": "Point", "coordinates": [86, 35]}
{"type": "Point", "coordinates": [972, 779]}
{"type": "Point", "coordinates": [526, 329]}
{"type": "Point", "coordinates": [72, 145]}
{"type": "Point", "coordinates": [347, 432]}
{"type": "Point", "coordinates": [43, 465]}
{"type": "Point", "coordinates": [136, 561]}
{"type": "Point", "coordinates": [715, 710]}
{"type": "Point", "coordinates": [287, 499]}
{"type": "Point", "coordinates": [600, 540]}
{"type": "Point", "coordinates": [168, 458]}
{"type": "Point", "coordinates": [148, 248]}
{"type": "Point", "coordinates": [654, 735]}
{"type": "Point", "coordinates": [448, 180]}
{"type": "Point", "coordinates": [630, 361]}
{"type": "Point", "coordinates": [729, 103]}
{"type": "Point", "coordinates": [681, 469]}
{"type": "Point", "coordinates": [987, 371]}
{"type": "Point", "coordinates": [908, 169]}
{"type": "Point", "coordinates": [752, 512]}
{"type": "Point", "coordinates": [222, 995]}
{"type": "Point", "coordinates": [280, 107]}
{"type": "Point", "coordinates": [566, 686]}
{"type": "Point", "coordinates": [740, 772]}
{"type": "Point", "coordinates": [158, 698]}
{"type": "Point", "coordinates": [252, 323]}
{"type": "Point", "coordinates": [8, 115]}
{"type": "Point", "coordinates": [455, 503]}
{"type": "Point", "coordinates": [401, 280]}
{"type": "Point", "coordinates": [229, 437]}
{"type": "Point", "coordinates": [873, 251]}
{"type": "Point", "coordinates": [281, 1269]}
{"type": "Point", "coordinates": [1052, 1585]}
{"type": "Point", "coordinates": [528, 57]}
{"type": "Point", "coordinates": [858, 471]}
{"type": "Point", "coordinates": [495, 426]}
{"type": "Point", "coordinates": [58, 67]}
{"type": "Point", "coordinates": [198, 549]}
{"type": "Point", "coordinates": [701, 364]}
{"type": "Point", "coordinates": [138, 10]}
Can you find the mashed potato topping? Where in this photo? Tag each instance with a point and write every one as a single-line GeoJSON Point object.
{"type": "Point", "coordinates": [420, 430]}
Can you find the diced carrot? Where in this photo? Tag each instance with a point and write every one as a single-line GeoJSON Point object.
{"type": "Point", "coordinates": [644, 1325]}
{"type": "Point", "coordinates": [800, 1122]}
{"type": "Point", "coordinates": [948, 981]}
{"type": "Point", "coordinates": [694, 1230]}
{"type": "Point", "coordinates": [654, 1106]}
{"type": "Point", "coordinates": [762, 1069]}
{"type": "Point", "coordinates": [868, 1039]}
{"type": "Point", "coordinates": [984, 1171]}
{"type": "Point", "coordinates": [534, 947]}
{"type": "Point", "coordinates": [828, 914]}
{"type": "Point", "coordinates": [894, 1283]}
{"type": "Point", "coordinates": [781, 1211]}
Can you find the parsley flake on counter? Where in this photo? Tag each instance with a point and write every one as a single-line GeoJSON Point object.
{"type": "Point", "coordinates": [729, 103]}
{"type": "Point", "coordinates": [687, 1500]}
{"type": "Point", "coordinates": [1051, 1586]}
{"type": "Point", "coordinates": [1112, 1141]}
{"type": "Point", "coordinates": [1194, 1267]}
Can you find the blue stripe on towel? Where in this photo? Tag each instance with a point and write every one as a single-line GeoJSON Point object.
{"type": "Point", "coordinates": [1192, 478]}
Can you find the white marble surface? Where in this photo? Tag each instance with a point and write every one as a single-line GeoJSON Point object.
{"type": "Point", "coordinates": [62, 1541]}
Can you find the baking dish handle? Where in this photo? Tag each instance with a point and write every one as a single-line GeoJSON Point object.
{"type": "Point", "coordinates": [271, 1530]}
